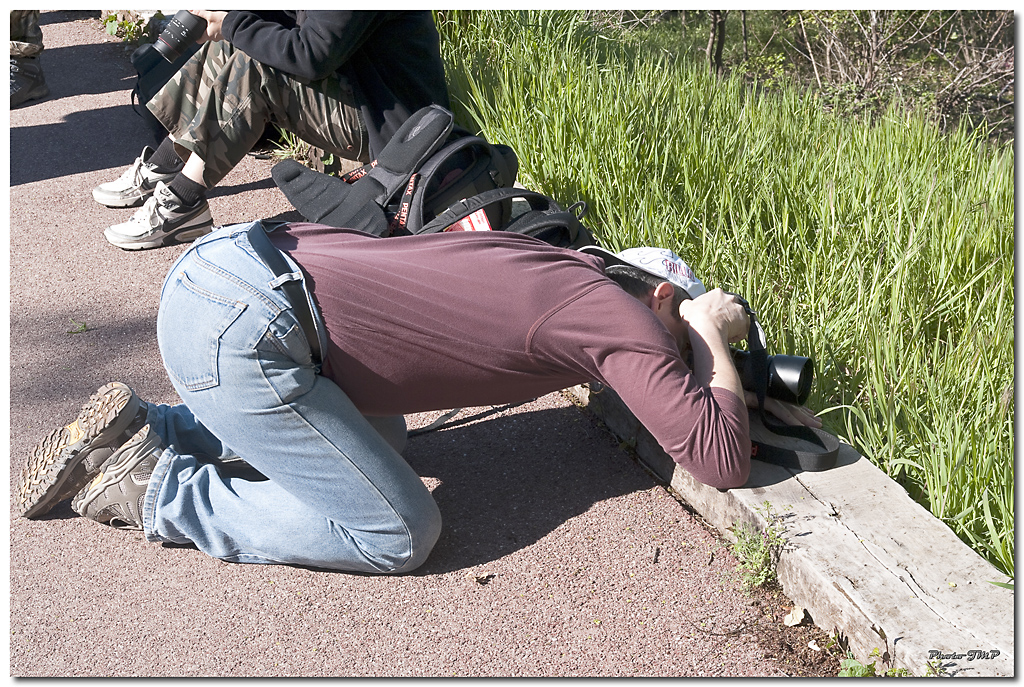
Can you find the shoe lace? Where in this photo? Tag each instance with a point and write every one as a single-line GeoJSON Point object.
{"type": "Point", "coordinates": [148, 213]}
{"type": "Point", "coordinates": [133, 173]}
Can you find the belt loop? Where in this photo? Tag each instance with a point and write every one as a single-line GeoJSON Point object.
{"type": "Point", "coordinates": [286, 279]}
{"type": "Point", "coordinates": [281, 279]}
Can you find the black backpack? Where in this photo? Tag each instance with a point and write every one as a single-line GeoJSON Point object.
{"type": "Point", "coordinates": [431, 177]}
{"type": "Point", "coordinates": [538, 216]}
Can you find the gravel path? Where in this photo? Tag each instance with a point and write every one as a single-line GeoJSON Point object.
{"type": "Point", "coordinates": [560, 556]}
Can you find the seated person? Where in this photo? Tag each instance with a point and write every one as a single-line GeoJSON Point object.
{"type": "Point", "coordinates": [342, 80]}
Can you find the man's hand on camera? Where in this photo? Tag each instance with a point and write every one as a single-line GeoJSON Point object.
{"type": "Point", "coordinates": [716, 311]}
{"type": "Point", "coordinates": [214, 21]}
{"type": "Point", "coordinates": [712, 321]}
{"type": "Point", "coordinates": [788, 413]}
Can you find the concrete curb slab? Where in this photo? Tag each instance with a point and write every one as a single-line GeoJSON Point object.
{"type": "Point", "coordinates": [861, 556]}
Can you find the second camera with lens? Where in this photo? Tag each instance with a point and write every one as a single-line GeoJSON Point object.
{"type": "Point", "coordinates": [182, 31]}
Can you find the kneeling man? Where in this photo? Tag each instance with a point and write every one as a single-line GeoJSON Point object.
{"type": "Point", "coordinates": [299, 350]}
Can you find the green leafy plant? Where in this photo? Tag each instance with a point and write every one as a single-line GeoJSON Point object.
{"type": "Point", "coordinates": [758, 550]}
{"type": "Point", "coordinates": [127, 26]}
{"type": "Point", "coordinates": [290, 147]}
{"type": "Point", "coordinates": [851, 667]}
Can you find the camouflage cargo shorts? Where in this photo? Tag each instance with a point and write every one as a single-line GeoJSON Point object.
{"type": "Point", "coordinates": [26, 36]}
{"type": "Point", "coordinates": [218, 104]}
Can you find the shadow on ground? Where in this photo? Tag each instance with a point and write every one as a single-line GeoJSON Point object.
{"type": "Point", "coordinates": [518, 485]}
{"type": "Point", "coordinates": [77, 351]}
{"type": "Point", "coordinates": [218, 191]}
{"type": "Point", "coordinates": [65, 83]}
{"type": "Point", "coordinates": [501, 498]}
{"type": "Point", "coordinates": [66, 15]}
{"type": "Point", "coordinates": [52, 151]}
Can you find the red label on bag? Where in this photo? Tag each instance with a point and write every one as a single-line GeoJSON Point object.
{"type": "Point", "coordinates": [358, 173]}
{"type": "Point", "coordinates": [402, 217]}
{"type": "Point", "coordinates": [476, 222]}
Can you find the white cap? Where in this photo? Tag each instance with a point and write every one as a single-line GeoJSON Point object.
{"type": "Point", "coordinates": [659, 262]}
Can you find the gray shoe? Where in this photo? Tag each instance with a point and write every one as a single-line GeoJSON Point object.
{"type": "Point", "coordinates": [69, 457]}
{"type": "Point", "coordinates": [134, 186]}
{"type": "Point", "coordinates": [163, 220]}
{"type": "Point", "coordinates": [116, 495]}
{"type": "Point", "coordinates": [27, 80]}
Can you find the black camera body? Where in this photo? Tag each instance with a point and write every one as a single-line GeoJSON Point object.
{"type": "Point", "coordinates": [782, 377]}
{"type": "Point", "coordinates": [789, 376]}
{"type": "Point", "coordinates": [182, 31]}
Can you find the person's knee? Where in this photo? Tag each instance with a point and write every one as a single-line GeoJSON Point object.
{"type": "Point", "coordinates": [417, 543]}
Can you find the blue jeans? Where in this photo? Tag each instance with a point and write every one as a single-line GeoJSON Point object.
{"type": "Point", "coordinates": [337, 495]}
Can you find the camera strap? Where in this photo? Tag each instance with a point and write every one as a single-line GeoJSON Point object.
{"type": "Point", "coordinates": [826, 450]}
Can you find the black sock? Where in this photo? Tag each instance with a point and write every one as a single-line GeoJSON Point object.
{"type": "Point", "coordinates": [165, 160]}
{"type": "Point", "coordinates": [187, 190]}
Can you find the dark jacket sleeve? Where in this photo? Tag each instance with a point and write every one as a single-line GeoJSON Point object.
{"type": "Point", "coordinates": [310, 49]}
{"type": "Point", "coordinates": [390, 59]}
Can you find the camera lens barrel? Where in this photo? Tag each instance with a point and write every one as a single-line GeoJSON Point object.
{"type": "Point", "coordinates": [183, 30]}
{"type": "Point", "coordinates": [789, 376]}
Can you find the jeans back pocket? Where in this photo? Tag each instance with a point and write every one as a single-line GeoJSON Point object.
{"type": "Point", "coordinates": [190, 325]}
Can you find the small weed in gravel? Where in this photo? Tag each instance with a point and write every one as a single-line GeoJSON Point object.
{"type": "Point", "coordinates": [758, 551]}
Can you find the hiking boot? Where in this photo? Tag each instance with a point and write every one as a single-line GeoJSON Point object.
{"type": "Point", "coordinates": [163, 220]}
{"type": "Point", "coordinates": [27, 80]}
{"type": "Point", "coordinates": [134, 186]}
{"type": "Point", "coordinates": [69, 457]}
{"type": "Point", "coordinates": [115, 496]}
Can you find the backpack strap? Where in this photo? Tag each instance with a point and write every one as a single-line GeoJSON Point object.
{"type": "Point", "coordinates": [357, 173]}
{"type": "Point", "coordinates": [482, 201]}
{"type": "Point", "coordinates": [414, 142]}
{"type": "Point", "coordinates": [545, 219]}
{"type": "Point", "coordinates": [562, 228]}
{"type": "Point", "coordinates": [467, 166]}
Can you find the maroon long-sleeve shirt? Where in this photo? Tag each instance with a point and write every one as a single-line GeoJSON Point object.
{"type": "Point", "coordinates": [462, 319]}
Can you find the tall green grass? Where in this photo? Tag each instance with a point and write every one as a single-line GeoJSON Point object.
{"type": "Point", "coordinates": [882, 249]}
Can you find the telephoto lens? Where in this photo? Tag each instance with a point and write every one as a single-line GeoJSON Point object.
{"type": "Point", "coordinates": [789, 376]}
{"type": "Point", "coordinates": [183, 30]}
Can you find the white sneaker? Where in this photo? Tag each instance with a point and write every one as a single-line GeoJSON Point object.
{"type": "Point", "coordinates": [163, 220]}
{"type": "Point", "coordinates": [133, 186]}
